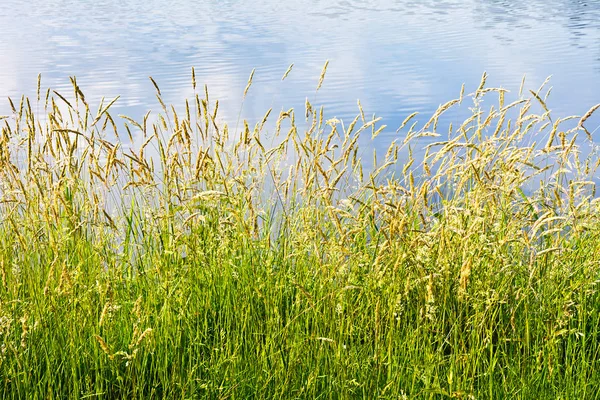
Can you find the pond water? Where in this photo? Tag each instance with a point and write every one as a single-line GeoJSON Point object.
{"type": "Point", "coordinates": [395, 56]}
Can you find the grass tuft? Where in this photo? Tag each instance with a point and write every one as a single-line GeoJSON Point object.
{"type": "Point", "coordinates": [190, 260]}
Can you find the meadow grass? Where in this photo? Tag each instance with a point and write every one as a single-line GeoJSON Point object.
{"type": "Point", "coordinates": [175, 257]}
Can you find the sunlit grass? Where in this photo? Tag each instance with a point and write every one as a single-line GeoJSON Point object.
{"type": "Point", "coordinates": [266, 262]}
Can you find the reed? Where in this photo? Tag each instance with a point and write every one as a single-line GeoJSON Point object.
{"type": "Point", "coordinates": [270, 262]}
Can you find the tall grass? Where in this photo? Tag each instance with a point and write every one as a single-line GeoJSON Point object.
{"type": "Point", "coordinates": [175, 257]}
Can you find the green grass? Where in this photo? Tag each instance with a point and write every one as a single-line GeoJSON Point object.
{"type": "Point", "coordinates": [213, 262]}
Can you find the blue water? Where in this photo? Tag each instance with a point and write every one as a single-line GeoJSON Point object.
{"type": "Point", "coordinates": [395, 56]}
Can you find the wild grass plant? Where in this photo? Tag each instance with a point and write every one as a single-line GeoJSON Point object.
{"type": "Point", "coordinates": [265, 262]}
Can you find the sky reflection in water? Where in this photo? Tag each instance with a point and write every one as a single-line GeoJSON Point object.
{"type": "Point", "coordinates": [395, 56]}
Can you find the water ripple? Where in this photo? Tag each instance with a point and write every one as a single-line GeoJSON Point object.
{"type": "Point", "coordinates": [397, 56]}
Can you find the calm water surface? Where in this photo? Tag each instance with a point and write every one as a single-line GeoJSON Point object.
{"type": "Point", "coordinates": [395, 56]}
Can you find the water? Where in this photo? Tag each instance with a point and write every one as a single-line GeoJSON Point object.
{"type": "Point", "coordinates": [395, 56]}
